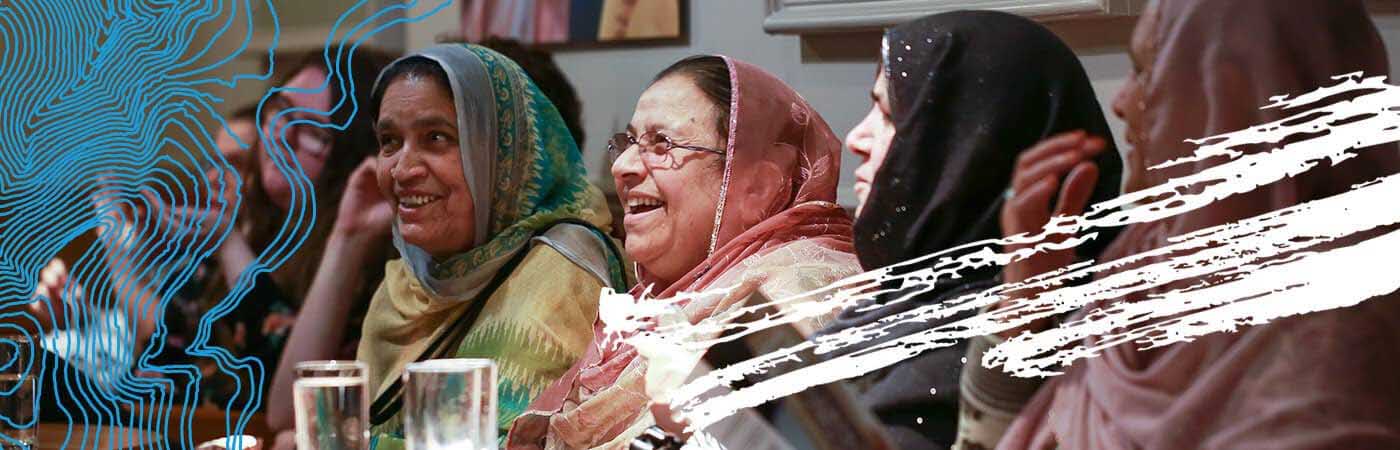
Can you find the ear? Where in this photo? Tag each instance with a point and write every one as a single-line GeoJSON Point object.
{"type": "Point", "coordinates": [763, 199]}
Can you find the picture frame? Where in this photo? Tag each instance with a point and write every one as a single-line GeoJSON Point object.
{"type": "Point", "coordinates": [834, 16]}
{"type": "Point", "coordinates": [578, 24]}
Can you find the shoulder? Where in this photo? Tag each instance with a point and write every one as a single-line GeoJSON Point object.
{"type": "Point", "coordinates": [547, 284]}
{"type": "Point", "coordinates": [548, 298]}
{"type": "Point", "coordinates": [546, 266]}
{"type": "Point", "coordinates": [800, 267]}
{"type": "Point", "coordinates": [795, 274]}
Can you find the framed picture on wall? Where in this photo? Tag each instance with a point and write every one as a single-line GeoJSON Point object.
{"type": "Point", "coordinates": [828, 16]}
{"type": "Point", "coordinates": [566, 23]}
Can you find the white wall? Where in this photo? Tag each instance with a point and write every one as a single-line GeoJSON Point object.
{"type": "Point", "coordinates": [609, 80]}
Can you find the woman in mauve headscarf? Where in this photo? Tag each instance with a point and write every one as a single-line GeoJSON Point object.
{"type": "Point", "coordinates": [728, 176]}
{"type": "Point", "coordinates": [503, 239]}
{"type": "Point", "coordinates": [1321, 380]}
{"type": "Point", "coordinates": [954, 106]}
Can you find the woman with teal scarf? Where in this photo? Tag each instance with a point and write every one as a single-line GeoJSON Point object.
{"type": "Point", "coordinates": [503, 240]}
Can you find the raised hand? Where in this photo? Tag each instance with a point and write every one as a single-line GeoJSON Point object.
{"type": "Point", "coordinates": [1039, 171]}
{"type": "Point", "coordinates": [1055, 177]}
{"type": "Point", "coordinates": [364, 210]}
{"type": "Point", "coordinates": [48, 306]}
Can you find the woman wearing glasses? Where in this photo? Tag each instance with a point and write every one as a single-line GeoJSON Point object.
{"type": "Point", "coordinates": [728, 178]}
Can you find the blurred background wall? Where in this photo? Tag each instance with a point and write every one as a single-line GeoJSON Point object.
{"type": "Point", "coordinates": [834, 72]}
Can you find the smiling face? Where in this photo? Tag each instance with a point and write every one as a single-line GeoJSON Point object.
{"type": "Point", "coordinates": [420, 166]}
{"type": "Point", "coordinates": [1131, 102]}
{"type": "Point", "coordinates": [310, 145]}
{"type": "Point", "coordinates": [670, 199]}
{"type": "Point", "coordinates": [244, 130]}
{"type": "Point", "coordinates": [870, 139]}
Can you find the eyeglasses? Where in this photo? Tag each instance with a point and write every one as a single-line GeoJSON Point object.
{"type": "Point", "coordinates": [652, 142]}
{"type": "Point", "coordinates": [302, 138]}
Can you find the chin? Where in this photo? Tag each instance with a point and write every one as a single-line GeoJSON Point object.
{"type": "Point", "coordinates": [415, 236]}
{"type": "Point", "coordinates": [639, 250]}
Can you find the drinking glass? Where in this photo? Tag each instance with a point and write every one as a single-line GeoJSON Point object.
{"type": "Point", "coordinates": [450, 404]}
{"type": "Point", "coordinates": [331, 406]}
{"type": "Point", "coordinates": [17, 367]}
{"type": "Point", "coordinates": [321, 369]}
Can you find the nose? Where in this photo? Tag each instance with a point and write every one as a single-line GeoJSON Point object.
{"type": "Point", "coordinates": [628, 168]}
{"type": "Point", "coordinates": [407, 165]}
{"type": "Point", "coordinates": [1120, 101]}
{"type": "Point", "coordinates": [858, 141]}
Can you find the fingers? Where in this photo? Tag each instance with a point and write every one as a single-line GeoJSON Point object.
{"type": "Point", "coordinates": [1050, 146]}
{"type": "Point", "coordinates": [51, 279]}
{"type": "Point", "coordinates": [1078, 187]}
{"type": "Point", "coordinates": [1053, 157]}
{"type": "Point", "coordinates": [1030, 208]}
{"type": "Point", "coordinates": [667, 421]}
{"type": "Point", "coordinates": [366, 173]}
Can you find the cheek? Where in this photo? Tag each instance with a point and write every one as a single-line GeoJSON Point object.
{"type": "Point", "coordinates": [698, 191]}
{"type": "Point", "coordinates": [448, 171]}
{"type": "Point", "coordinates": [883, 139]}
{"type": "Point", "coordinates": [270, 174]}
{"type": "Point", "coordinates": [312, 165]}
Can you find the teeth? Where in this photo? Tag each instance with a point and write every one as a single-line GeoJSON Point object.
{"type": "Point", "coordinates": [415, 201]}
{"type": "Point", "coordinates": [634, 203]}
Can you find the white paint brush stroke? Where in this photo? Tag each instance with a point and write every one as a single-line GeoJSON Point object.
{"type": "Point", "coordinates": [1252, 268]}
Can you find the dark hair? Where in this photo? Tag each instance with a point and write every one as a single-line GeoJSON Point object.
{"type": "Point", "coordinates": [348, 149]}
{"type": "Point", "coordinates": [710, 74]}
{"type": "Point", "coordinates": [540, 67]}
{"type": "Point", "coordinates": [416, 66]}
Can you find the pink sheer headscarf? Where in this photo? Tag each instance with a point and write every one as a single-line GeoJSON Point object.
{"type": "Point", "coordinates": [768, 122]}
{"type": "Point", "coordinates": [1324, 380]}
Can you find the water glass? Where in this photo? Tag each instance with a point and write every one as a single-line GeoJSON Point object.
{"type": "Point", "coordinates": [331, 406]}
{"type": "Point", "coordinates": [450, 404]}
{"type": "Point", "coordinates": [17, 366]}
{"type": "Point", "coordinates": [322, 369]}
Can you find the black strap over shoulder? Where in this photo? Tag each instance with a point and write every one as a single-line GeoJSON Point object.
{"type": "Point", "coordinates": [611, 247]}
{"type": "Point", "coordinates": [388, 404]}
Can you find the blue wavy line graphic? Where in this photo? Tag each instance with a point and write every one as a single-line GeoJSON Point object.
{"type": "Point", "coordinates": [103, 105]}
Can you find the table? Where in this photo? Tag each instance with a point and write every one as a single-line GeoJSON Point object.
{"type": "Point", "coordinates": [208, 424]}
{"type": "Point", "coordinates": [52, 435]}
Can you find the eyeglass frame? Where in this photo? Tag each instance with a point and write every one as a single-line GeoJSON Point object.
{"type": "Point", "coordinates": [614, 152]}
{"type": "Point", "coordinates": [274, 110]}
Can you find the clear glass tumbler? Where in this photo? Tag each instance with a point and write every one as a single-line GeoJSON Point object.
{"type": "Point", "coordinates": [331, 405]}
{"type": "Point", "coordinates": [450, 404]}
{"type": "Point", "coordinates": [321, 369]}
{"type": "Point", "coordinates": [17, 388]}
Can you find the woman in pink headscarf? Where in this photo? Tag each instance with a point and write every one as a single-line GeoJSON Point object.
{"type": "Point", "coordinates": [729, 179]}
{"type": "Point", "coordinates": [1321, 380]}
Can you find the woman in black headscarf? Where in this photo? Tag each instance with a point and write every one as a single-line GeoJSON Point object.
{"type": "Point", "coordinates": [957, 98]}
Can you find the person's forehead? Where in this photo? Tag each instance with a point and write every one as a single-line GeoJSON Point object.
{"type": "Point", "coordinates": [1145, 33]}
{"type": "Point", "coordinates": [674, 104]}
{"type": "Point", "coordinates": [308, 88]}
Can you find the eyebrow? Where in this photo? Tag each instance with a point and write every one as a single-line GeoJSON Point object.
{"type": "Point", "coordinates": [425, 122]}
{"type": "Point", "coordinates": [434, 122]}
{"type": "Point", "coordinates": [301, 115]}
{"type": "Point", "coordinates": [380, 126]}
